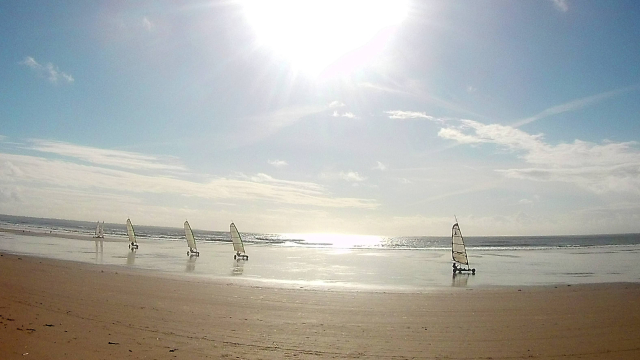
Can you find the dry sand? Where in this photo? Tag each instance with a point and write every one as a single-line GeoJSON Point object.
{"type": "Point", "coordinates": [53, 309]}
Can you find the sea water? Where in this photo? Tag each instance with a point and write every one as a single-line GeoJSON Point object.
{"type": "Point", "coordinates": [330, 261]}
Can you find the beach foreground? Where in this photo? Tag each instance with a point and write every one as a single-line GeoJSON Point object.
{"type": "Point", "coordinates": [51, 309]}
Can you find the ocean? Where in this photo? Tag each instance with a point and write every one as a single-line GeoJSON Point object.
{"type": "Point", "coordinates": [333, 261]}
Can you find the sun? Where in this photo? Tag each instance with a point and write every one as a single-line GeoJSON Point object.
{"type": "Point", "coordinates": [314, 34]}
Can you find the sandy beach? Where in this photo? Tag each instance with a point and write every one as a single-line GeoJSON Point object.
{"type": "Point", "coordinates": [51, 309]}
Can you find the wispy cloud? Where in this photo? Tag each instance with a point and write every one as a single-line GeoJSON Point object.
{"type": "Point", "coordinates": [400, 114]}
{"type": "Point", "coordinates": [380, 166]}
{"type": "Point", "coordinates": [347, 114]}
{"type": "Point", "coordinates": [31, 173]}
{"type": "Point", "coordinates": [262, 126]}
{"type": "Point", "coordinates": [574, 105]}
{"type": "Point", "coordinates": [278, 163]}
{"type": "Point", "coordinates": [115, 158]}
{"type": "Point", "coordinates": [49, 70]}
{"type": "Point", "coordinates": [336, 104]}
{"type": "Point", "coordinates": [600, 168]}
{"type": "Point", "coordinates": [8, 194]}
{"type": "Point", "coordinates": [352, 176]}
{"type": "Point", "coordinates": [561, 5]}
{"type": "Point", "coordinates": [415, 89]}
{"type": "Point", "coordinates": [147, 24]}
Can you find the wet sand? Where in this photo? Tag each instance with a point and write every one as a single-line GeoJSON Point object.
{"type": "Point", "coordinates": [52, 309]}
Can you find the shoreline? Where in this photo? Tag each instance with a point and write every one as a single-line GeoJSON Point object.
{"type": "Point", "coordinates": [55, 309]}
{"type": "Point", "coordinates": [392, 270]}
{"type": "Point", "coordinates": [58, 235]}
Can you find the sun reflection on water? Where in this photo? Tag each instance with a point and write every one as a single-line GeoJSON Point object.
{"type": "Point", "coordinates": [338, 241]}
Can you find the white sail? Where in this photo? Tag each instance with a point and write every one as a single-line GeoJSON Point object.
{"type": "Point", "coordinates": [99, 230]}
{"type": "Point", "coordinates": [191, 241]}
{"type": "Point", "coordinates": [236, 239]}
{"type": "Point", "coordinates": [130, 232]}
{"type": "Point", "coordinates": [458, 251]}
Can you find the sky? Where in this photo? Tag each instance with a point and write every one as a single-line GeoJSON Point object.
{"type": "Point", "coordinates": [356, 117]}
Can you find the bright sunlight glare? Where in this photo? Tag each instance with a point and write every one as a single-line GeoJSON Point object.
{"type": "Point", "coordinates": [337, 240]}
{"type": "Point", "coordinates": [314, 34]}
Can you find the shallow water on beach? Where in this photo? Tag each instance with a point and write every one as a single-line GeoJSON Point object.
{"type": "Point", "coordinates": [376, 269]}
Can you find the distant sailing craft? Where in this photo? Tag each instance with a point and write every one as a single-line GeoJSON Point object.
{"type": "Point", "coordinates": [238, 246]}
{"type": "Point", "coordinates": [99, 230]}
{"type": "Point", "coordinates": [459, 252]}
{"type": "Point", "coordinates": [133, 244]}
{"type": "Point", "coordinates": [191, 241]}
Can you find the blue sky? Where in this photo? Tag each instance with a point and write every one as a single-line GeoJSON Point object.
{"type": "Point", "coordinates": [359, 117]}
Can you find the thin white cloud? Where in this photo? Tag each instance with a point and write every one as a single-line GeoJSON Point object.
{"type": "Point", "coordinates": [147, 24]}
{"type": "Point", "coordinates": [600, 168]}
{"type": "Point", "coordinates": [278, 163]}
{"type": "Point", "coordinates": [49, 70]}
{"type": "Point", "coordinates": [347, 114]}
{"type": "Point", "coordinates": [9, 194]}
{"type": "Point", "coordinates": [336, 104]}
{"type": "Point", "coordinates": [352, 176]}
{"type": "Point", "coordinates": [400, 114]}
{"type": "Point", "coordinates": [116, 158]}
{"type": "Point", "coordinates": [262, 126]}
{"type": "Point", "coordinates": [380, 166]}
{"type": "Point", "coordinates": [33, 172]}
{"type": "Point", "coordinates": [561, 5]}
{"type": "Point", "coordinates": [574, 105]}
{"type": "Point", "coordinates": [415, 89]}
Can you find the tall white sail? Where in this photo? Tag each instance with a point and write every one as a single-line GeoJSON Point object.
{"type": "Point", "coordinates": [236, 239]}
{"type": "Point", "coordinates": [99, 230]}
{"type": "Point", "coordinates": [458, 251]}
{"type": "Point", "coordinates": [130, 232]}
{"type": "Point", "coordinates": [191, 241]}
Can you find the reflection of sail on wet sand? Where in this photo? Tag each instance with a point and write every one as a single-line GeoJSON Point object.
{"type": "Point", "coordinates": [191, 263]}
{"type": "Point", "coordinates": [238, 268]}
{"type": "Point", "coordinates": [459, 280]}
{"type": "Point", "coordinates": [99, 251]}
{"type": "Point", "coordinates": [131, 258]}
